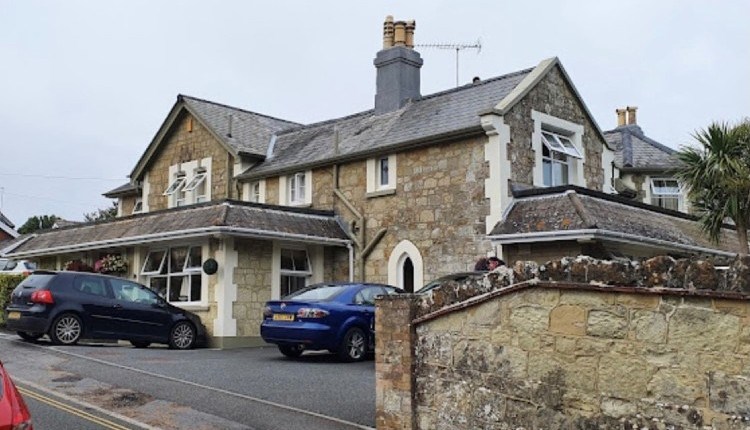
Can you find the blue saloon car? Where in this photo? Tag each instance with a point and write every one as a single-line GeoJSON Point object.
{"type": "Point", "coordinates": [338, 317]}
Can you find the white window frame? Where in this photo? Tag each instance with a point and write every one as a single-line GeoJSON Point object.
{"type": "Point", "coordinates": [194, 186]}
{"type": "Point", "coordinates": [665, 193]}
{"type": "Point", "coordinates": [569, 141]}
{"type": "Point", "coordinates": [176, 184]}
{"type": "Point", "coordinates": [377, 184]}
{"type": "Point", "coordinates": [161, 264]}
{"type": "Point", "coordinates": [304, 274]}
{"type": "Point", "coordinates": [138, 205]}
{"type": "Point", "coordinates": [255, 192]}
{"type": "Point", "coordinates": [296, 191]}
{"type": "Point", "coordinates": [187, 272]}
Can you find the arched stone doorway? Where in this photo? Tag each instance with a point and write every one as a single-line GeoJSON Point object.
{"type": "Point", "coordinates": [405, 267]}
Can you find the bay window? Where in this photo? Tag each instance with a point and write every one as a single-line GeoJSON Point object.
{"type": "Point", "coordinates": [175, 273]}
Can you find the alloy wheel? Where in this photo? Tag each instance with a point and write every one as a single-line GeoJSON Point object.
{"type": "Point", "coordinates": [183, 336]}
{"type": "Point", "coordinates": [68, 329]}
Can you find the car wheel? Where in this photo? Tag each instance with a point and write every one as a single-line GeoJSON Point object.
{"type": "Point", "coordinates": [291, 351]}
{"type": "Point", "coordinates": [29, 337]}
{"type": "Point", "coordinates": [182, 336]}
{"type": "Point", "coordinates": [140, 343]}
{"type": "Point", "coordinates": [66, 330]}
{"type": "Point", "coordinates": [353, 346]}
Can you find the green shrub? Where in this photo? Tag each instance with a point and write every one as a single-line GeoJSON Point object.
{"type": "Point", "coordinates": [7, 284]}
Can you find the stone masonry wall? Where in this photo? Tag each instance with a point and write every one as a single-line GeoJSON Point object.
{"type": "Point", "coordinates": [253, 278]}
{"type": "Point", "coordinates": [572, 344]}
{"type": "Point", "coordinates": [181, 146]}
{"type": "Point", "coordinates": [438, 205]}
{"type": "Point", "coordinates": [554, 97]}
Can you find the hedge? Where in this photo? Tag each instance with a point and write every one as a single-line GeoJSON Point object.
{"type": "Point", "coordinates": [7, 284]}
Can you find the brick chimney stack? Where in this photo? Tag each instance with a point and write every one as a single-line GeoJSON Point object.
{"type": "Point", "coordinates": [631, 115]}
{"type": "Point", "coordinates": [621, 117]}
{"type": "Point", "coordinates": [398, 65]}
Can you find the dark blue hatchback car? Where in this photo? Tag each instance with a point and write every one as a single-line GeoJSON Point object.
{"type": "Point", "coordinates": [69, 306]}
{"type": "Point", "coordinates": [338, 317]}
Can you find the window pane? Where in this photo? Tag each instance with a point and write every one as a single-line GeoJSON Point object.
{"type": "Point", "coordinates": [159, 286]}
{"type": "Point", "coordinates": [300, 260]}
{"type": "Point", "coordinates": [195, 288]}
{"type": "Point", "coordinates": [176, 293]}
{"type": "Point", "coordinates": [384, 171]}
{"type": "Point", "coordinates": [153, 261]}
{"type": "Point", "coordinates": [175, 185]}
{"type": "Point", "coordinates": [301, 187]}
{"type": "Point", "coordinates": [551, 141]}
{"type": "Point", "coordinates": [557, 174]}
{"type": "Point", "coordinates": [194, 260]}
{"type": "Point", "coordinates": [177, 258]}
{"type": "Point", "coordinates": [287, 262]}
{"type": "Point", "coordinates": [290, 284]}
{"type": "Point", "coordinates": [197, 180]}
{"type": "Point", "coordinates": [564, 178]}
{"type": "Point", "coordinates": [547, 172]}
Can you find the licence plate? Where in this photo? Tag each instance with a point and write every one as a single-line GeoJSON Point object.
{"type": "Point", "coordinates": [14, 315]}
{"type": "Point", "coordinates": [283, 317]}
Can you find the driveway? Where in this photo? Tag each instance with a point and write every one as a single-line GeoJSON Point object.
{"type": "Point", "coordinates": [254, 388]}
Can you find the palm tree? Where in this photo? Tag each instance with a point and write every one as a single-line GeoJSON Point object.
{"type": "Point", "coordinates": [717, 174]}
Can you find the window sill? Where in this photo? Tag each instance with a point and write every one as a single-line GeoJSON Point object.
{"type": "Point", "coordinates": [381, 193]}
{"type": "Point", "coordinates": [191, 306]}
{"type": "Point", "coordinates": [300, 205]}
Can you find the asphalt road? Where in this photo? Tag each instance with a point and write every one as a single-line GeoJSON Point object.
{"type": "Point", "coordinates": [254, 388]}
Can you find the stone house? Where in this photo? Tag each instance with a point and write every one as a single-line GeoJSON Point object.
{"type": "Point", "coordinates": [400, 194]}
{"type": "Point", "coordinates": [646, 166]}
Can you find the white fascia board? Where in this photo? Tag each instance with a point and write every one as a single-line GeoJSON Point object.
{"type": "Point", "coordinates": [614, 236]}
{"type": "Point", "coordinates": [185, 234]}
{"type": "Point", "coordinates": [9, 230]}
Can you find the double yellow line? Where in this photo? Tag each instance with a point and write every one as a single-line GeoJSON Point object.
{"type": "Point", "coordinates": [71, 410]}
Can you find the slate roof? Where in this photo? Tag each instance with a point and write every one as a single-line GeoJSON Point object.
{"type": "Point", "coordinates": [556, 210]}
{"type": "Point", "coordinates": [122, 190]}
{"type": "Point", "coordinates": [636, 151]}
{"type": "Point", "coordinates": [443, 114]}
{"type": "Point", "coordinates": [226, 217]}
{"type": "Point", "coordinates": [250, 131]}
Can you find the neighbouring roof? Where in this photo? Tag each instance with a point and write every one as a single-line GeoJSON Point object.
{"type": "Point", "coordinates": [7, 226]}
{"type": "Point", "coordinates": [570, 212]}
{"type": "Point", "coordinates": [250, 132]}
{"type": "Point", "coordinates": [122, 191]}
{"type": "Point", "coordinates": [60, 223]}
{"type": "Point", "coordinates": [636, 151]}
{"type": "Point", "coordinates": [229, 217]}
{"type": "Point", "coordinates": [442, 115]}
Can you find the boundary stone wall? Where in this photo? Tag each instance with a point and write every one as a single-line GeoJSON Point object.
{"type": "Point", "coordinates": [571, 344]}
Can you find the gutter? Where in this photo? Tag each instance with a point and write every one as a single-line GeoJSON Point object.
{"type": "Point", "coordinates": [184, 234]}
{"type": "Point", "coordinates": [590, 234]}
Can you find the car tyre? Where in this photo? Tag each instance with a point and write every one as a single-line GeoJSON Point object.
{"type": "Point", "coordinates": [182, 336]}
{"type": "Point", "coordinates": [29, 337]}
{"type": "Point", "coordinates": [66, 330]}
{"type": "Point", "coordinates": [140, 343]}
{"type": "Point", "coordinates": [291, 351]}
{"type": "Point", "coordinates": [353, 346]}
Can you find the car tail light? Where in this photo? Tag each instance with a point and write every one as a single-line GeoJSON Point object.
{"type": "Point", "coordinates": [20, 416]}
{"type": "Point", "coordinates": [43, 297]}
{"type": "Point", "coordinates": [312, 313]}
{"type": "Point", "coordinates": [267, 312]}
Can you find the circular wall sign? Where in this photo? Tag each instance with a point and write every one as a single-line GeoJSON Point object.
{"type": "Point", "coordinates": [210, 266]}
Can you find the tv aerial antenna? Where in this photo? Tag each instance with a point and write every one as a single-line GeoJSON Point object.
{"type": "Point", "coordinates": [458, 47]}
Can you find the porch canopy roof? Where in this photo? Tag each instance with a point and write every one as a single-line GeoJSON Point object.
{"type": "Point", "coordinates": [575, 213]}
{"type": "Point", "coordinates": [228, 217]}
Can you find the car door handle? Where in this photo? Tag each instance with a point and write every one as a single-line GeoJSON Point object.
{"type": "Point", "coordinates": [117, 306]}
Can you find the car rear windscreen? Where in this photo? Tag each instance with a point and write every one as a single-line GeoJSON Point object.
{"type": "Point", "coordinates": [37, 280]}
{"type": "Point", "coordinates": [316, 294]}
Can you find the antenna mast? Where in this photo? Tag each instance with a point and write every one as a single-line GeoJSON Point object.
{"type": "Point", "coordinates": [456, 46]}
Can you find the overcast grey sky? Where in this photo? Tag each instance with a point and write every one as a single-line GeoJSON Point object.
{"type": "Point", "coordinates": [84, 85]}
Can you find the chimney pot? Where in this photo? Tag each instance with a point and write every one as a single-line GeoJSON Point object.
{"type": "Point", "coordinates": [621, 114]}
{"type": "Point", "coordinates": [399, 35]}
{"type": "Point", "coordinates": [631, 114]}
{"type": "Point", "coordinates": [388, 32]}
{"type": "Point", "coordinates": [410, 27]}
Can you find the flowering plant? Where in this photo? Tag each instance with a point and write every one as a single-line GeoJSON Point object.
{"type": "Point", "coordinates": [111, 263]}
{"type": "Point", "coordinates": [78, 266]}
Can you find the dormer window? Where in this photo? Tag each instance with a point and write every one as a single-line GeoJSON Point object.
{"type": "Point", "coordinates": [138, 206]}
{"type": "Point", "coordinates": [197, 186]}
{"type": "Point", "coordinates": [558, 149]}
{"type": "Point", "coordinates": [666, 193]}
